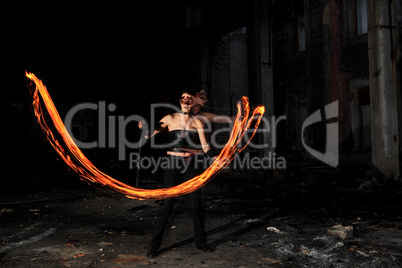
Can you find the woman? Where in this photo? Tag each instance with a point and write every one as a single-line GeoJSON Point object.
{"type": "Point", "coordinates": [186, 139]}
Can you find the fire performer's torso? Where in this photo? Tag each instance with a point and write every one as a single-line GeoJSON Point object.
{"type": "Point", "coordinates": [184, 141]}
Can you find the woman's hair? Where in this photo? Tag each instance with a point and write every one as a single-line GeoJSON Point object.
{"type": "Point", "coordinates": [189, 91]}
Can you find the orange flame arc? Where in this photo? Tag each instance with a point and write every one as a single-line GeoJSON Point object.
{"type": "Point", "coordinates": [80, 164]}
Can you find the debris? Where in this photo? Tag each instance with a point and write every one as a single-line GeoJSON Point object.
{"type": "Point", "coordinates": [251, 221]}
{"type": "Point", "coordinates": [343, 232]}
{"type": "Point", "coordinates": [79, 255]}
{"type": "Point", "coordinates": [6, 210]}
{"type": "Point", "coordinates": [275, 230]}
{"type": "Point", "coordinates": [173, 227]}
{"type": "Point", "coordinates": [34, 209]}
{"type": "Point", "coordinates": [103, 243]}
{"type": "Point", "coordinates": [305, 250]}
{"type": "Point", "coordinates": [361, 253]}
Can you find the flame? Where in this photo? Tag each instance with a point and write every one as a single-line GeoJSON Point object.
{"type": "Point", "coordinates": [80, 164]}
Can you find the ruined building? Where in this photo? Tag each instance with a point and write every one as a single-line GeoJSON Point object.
{"type": "Point", "coordinates": [296, 57]}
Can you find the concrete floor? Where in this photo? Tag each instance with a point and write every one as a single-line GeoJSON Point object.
{"type": "Point", "coordinates": [252, 220]}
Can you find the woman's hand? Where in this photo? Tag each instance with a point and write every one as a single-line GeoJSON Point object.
{"type": "Point", "coordinates": [144, 128]}
{"type": "Point", "coordinates": [141, 124]}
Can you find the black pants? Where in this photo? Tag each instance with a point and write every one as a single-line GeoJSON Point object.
{"type": "Point", "coordinates": [181, 169]}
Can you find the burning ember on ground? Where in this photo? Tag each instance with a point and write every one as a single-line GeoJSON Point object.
{"type": "Point", "coordinates": [79, 163]}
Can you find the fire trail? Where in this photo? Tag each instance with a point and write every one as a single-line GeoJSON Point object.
{"type": "Point", "coordinates": [79, 163]}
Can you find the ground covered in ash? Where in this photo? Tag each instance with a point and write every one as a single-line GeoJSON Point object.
{"type": "Point", "coordinates": [253, 219]}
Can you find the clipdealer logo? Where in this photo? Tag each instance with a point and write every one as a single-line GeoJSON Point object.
{"type": "Point", "coordinates": [112, 134]}
{"type": "Point", "coordinates": [331, 154]}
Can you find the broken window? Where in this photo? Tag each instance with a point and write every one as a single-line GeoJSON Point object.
{"type": "Point", "coordinates": [361, 10]}
{"type": "Point", "coordinates": [301, 32]}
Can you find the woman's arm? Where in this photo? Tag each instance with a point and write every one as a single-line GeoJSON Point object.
{"type": "Point", "coordinates": [201, 134]}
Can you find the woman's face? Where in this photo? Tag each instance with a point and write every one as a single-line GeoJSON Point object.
{"type": "Point", "coordinates": [186, 102]}
{"type": "Point", "coordinates": [201, 97]}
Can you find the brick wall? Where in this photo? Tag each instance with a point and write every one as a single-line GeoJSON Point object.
{"type": "Point", "coordinates": [229, 72]}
